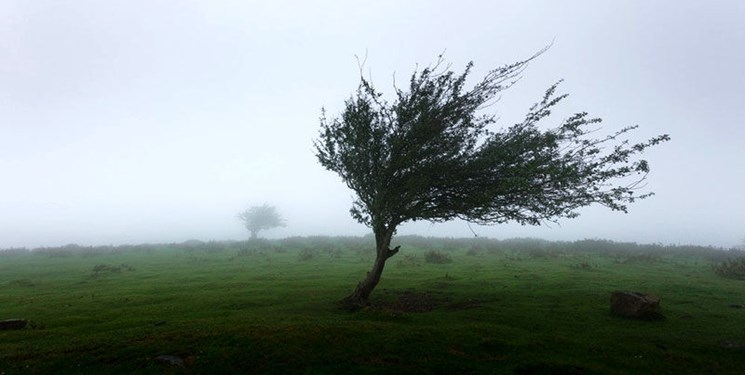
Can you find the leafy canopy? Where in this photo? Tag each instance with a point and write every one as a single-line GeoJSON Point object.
{"type": "Point", "coordinates": [430, 154]}
{"type": "Point", "coordinates": [258, 218]}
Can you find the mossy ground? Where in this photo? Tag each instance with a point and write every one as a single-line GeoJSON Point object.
{"type": "Point", "coordinates": [271, 307]}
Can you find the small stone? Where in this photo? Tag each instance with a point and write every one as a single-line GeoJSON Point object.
{"type": "Point", "coordinates": [172, 360]}
{"type": "Point", "coordinates": [12, 324]}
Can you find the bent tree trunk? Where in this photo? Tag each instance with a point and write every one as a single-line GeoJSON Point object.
{"type": "Point", "coordinates": [361, 295]}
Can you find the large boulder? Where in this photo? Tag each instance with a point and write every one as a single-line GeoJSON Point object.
{"type": "Point", "coordinates": [635, 305]}
{"type": "Point", "coordinates": [12, 324]}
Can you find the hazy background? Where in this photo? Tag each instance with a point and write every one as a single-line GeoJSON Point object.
{"type": "Point", "coordinates": [158, 121]}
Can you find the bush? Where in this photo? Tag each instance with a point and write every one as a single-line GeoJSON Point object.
{"type": "Point", "coordinates": [433, 256]}
{"type": "Point", "coordinates": [334, 252]}
{"type": "Point", "coordinates": [473, 251]}
{"type": "Point", "coordinates": [308, 254]}
{"type": "Point", "coordinates": [408, 260]}
{"type": "Point", "coordinates": [732, 268]}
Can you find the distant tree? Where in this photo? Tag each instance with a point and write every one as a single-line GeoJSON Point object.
{"type": "Point", "coordinates": [258, 218]}
{"type": "Point", "coordinates": [429, 155]}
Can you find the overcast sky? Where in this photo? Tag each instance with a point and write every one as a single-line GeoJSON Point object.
{"type": "Point", "coordinates": [158, 121]}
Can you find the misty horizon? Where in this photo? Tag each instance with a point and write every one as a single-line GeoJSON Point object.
{"type": "Point", "coordinates": [157, 123]}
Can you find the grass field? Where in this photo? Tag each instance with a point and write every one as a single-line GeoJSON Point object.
{"type": "Point", "coordinates": [503, 307]}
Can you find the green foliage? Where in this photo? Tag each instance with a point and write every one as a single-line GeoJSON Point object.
{"type": "Point", "coordinates": [307, 254]}
{"type": "Point", "coordinates": [732, 268]}
{"type": "Point", "coordinates": [430, 155]}
{"type": "Point", "coordinates": [409, 260]}
{"type": "Point", "coordinates": [433, 256]}
{"type": "Point", "coordinates": [106, 269]}
{"type": "Point", "coordinates": [473, 251]}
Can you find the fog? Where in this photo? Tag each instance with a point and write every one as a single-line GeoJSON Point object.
{"type": "Point", "coordinates": [125, 122]}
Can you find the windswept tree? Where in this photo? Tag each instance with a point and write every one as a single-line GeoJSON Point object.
{"type": "Point", "coordinates": [258, 218]}
{"type": "Point", "coordinates": [431, 155]}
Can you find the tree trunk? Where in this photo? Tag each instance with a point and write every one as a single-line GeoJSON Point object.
{"type": "Point", "coordinates": [360, 297]}
{"type": "Point", "coordinates": [254, 234]}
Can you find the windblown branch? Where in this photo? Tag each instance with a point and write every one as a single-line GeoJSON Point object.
{"type": "Point", "coordinates": [430, 154]}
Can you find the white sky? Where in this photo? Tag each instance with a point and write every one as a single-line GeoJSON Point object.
{"type": "Point", "coordinates": [158, 121]}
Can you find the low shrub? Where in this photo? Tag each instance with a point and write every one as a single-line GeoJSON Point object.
{"type": "Point", "coordinates": [308, 254]}
{"type": "Point", "coordinates": [434, 256]}
{"type": "Point", "coordinates": [472, 251]}
{"type": "Point", "coordinates": [408, 260]}
{"type": "Point", "coordinates": [334, 252]}
{"type": "Point", "coordinates": [731, 269]}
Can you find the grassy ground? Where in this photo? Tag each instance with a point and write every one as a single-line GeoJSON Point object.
{"type": "Point", "coordinates": [525, 307]}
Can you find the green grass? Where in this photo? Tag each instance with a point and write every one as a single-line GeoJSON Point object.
{"type": "Point", "coordinates": [498, 307]}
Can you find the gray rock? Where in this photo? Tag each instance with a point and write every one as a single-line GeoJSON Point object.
{"type": "Point", "coordinates": [172, 360]}
{"type": "Point", "coordinates": [12, 324]}
{"type": "Point", "coordinates": [635, 305]}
